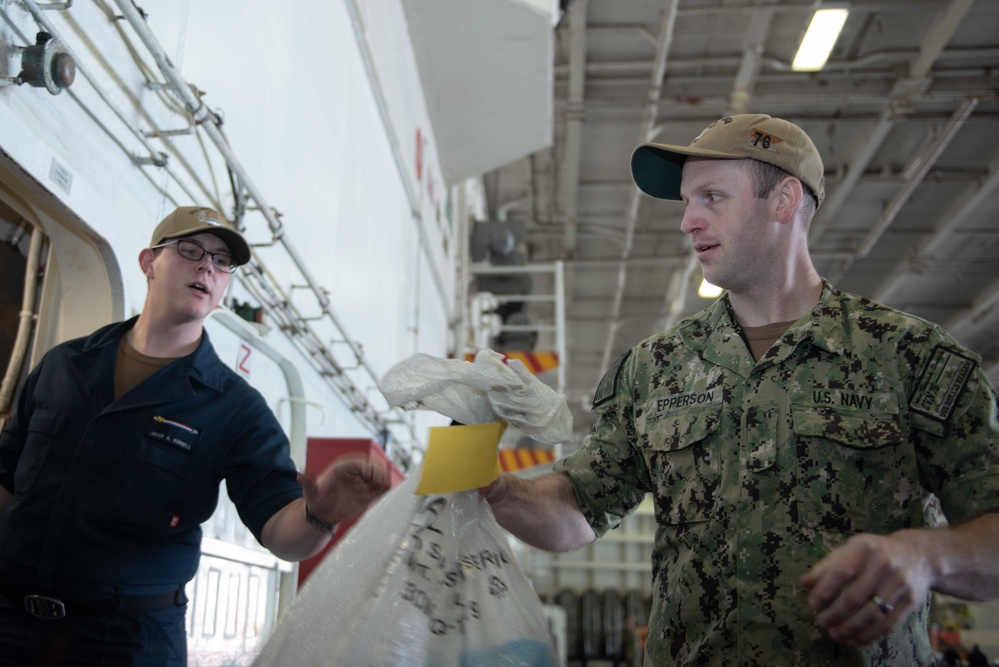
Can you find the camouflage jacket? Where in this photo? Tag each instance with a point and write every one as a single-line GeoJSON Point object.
{"type": "Point", "coordinates": [757, 469]}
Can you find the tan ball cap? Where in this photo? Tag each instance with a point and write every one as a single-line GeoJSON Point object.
{"type": "Point", "coordinates": [191, 220]}
{"type": "Point", "coordinates": [657, 168]}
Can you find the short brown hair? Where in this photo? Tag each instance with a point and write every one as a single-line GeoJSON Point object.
{"type": "Point", "coordinates": [765, 178]}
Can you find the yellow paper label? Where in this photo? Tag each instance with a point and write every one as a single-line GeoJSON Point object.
{"type": "Point", "coordinates": [461, 458]}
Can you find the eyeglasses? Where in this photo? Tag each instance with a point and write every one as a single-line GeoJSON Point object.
{"type": "Point", "coordinates": [194, 251]}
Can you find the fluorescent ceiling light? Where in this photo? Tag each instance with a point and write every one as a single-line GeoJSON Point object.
{"type": "Point", "coordinates": [708, 291]}
{"type": "Point", "coordinates": [819, 39]}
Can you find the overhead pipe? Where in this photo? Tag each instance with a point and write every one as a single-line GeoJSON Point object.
{"type": "Point", "coordinates": [857, 5]}
{"type": "Point", "coordinates": [963, 207]}
{"type": "Point", "coordinates": [916, 172]}
{"type": "Point", "coordinates": [855, 67]}
{"type": "Point", "coordinates": [858, 164]}
{"type": "Point", "coordinates": [821, 101]}
{"type": "Point", "coordinates": [932, 47]}
{"type": "Point", "coordinates": [910, 87]}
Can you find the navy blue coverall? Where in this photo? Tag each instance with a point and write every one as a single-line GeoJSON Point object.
{"type": "Point", "coordinates": [109, 496]}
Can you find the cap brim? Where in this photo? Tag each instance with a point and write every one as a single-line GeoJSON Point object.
{"type": "Point", "coordinates": [238, 246]}
{"type": "Point", "coordinates": [658, 168]}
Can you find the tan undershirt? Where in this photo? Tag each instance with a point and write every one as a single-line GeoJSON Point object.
{"type": "Point", "coordinates": [761, 339]}
{"type": "Point", "coordinates": [132, 367]}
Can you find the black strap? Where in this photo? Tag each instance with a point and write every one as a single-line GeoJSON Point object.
{"type": "Point", "coordinates": [131, 604]}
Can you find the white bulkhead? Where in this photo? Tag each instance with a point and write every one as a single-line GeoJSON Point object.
{"type": "Point", "coordinates": [314, 126]}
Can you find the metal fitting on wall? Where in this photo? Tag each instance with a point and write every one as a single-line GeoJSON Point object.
{"type": "Point", "coordinates": [45, 65]}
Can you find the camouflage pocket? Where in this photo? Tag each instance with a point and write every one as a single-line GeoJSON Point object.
{"type": "Point", "coordinates": [854, 470]}
{"type": "Point", "coordinates": [686, 469]}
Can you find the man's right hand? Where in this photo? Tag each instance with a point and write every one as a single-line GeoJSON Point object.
{"type": "Point", "coordinates": [541, 511]}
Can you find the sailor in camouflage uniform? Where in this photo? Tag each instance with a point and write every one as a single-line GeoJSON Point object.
{"type": "Point", "coordinates": [794, 479]}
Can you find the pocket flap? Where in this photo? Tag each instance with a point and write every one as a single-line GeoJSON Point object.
{"type": "Point", "coordinates": [682, 429]}
{"type": "Point", "coordinates": [860, 430]}
{"type": "Point", "coordinates": [46, 421]}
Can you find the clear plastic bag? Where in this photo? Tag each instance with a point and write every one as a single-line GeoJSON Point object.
{"type": "Point", "coordinates": [420, 581]}
{"type": "Point", "coordinates": [430, 581]}
{"type": "Point", "coordinates": [484, 391]}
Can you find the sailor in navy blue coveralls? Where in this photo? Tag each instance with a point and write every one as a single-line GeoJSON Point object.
{"type": "Point", "coordinates": [116, 491]}
{"type": "Point", "coordinates": [101, 499]}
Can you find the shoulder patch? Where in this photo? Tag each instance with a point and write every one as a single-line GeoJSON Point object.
{"type": "Point", "coordinates": [939, 387]}
{"type": "Point", "coordinates": [607, 388]}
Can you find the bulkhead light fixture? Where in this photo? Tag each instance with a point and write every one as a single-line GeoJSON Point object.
{"type": "Point", "coordinates": [819, 39]}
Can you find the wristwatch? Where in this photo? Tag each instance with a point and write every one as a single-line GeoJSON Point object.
{"type": "Point", "coordinates": [324, 527]}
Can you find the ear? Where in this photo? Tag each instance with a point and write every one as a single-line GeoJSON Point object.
{"type": "Point", "coordinates": [146, 258]}
{"type": "Point", "coordinates": [789, 194]}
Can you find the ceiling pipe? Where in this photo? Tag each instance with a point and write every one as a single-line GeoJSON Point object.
{"type": "Point", "coordinates": [869, 145]}
{"type": "Point", "coordinates": [964, 206]}
{"type": "Point", "coordinates": [905, 89]}
{"type": "Point", "coordinates": [809, 5]}
{"type": "Point", "coordinates": [820, 101]}
{"type": "Point", "coordinates": [936, 39]}
{"type": "Point", "coordinates": [856, 67]}
{"type": "Point", "coordinates": [666, 29]}
{"type": "Point", "coordinates": [916, 172]}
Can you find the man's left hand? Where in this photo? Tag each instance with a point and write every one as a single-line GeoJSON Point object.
{"type": "Point", "coordinates": [870, 584]}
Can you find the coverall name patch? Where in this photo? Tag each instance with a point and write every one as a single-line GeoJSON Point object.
{"type": "Point", "coordinates": [173, 432]}
{"type": "Point", "coordinates": [664, 404]}
{"type": "Point", "coordinates": [941, 384]}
